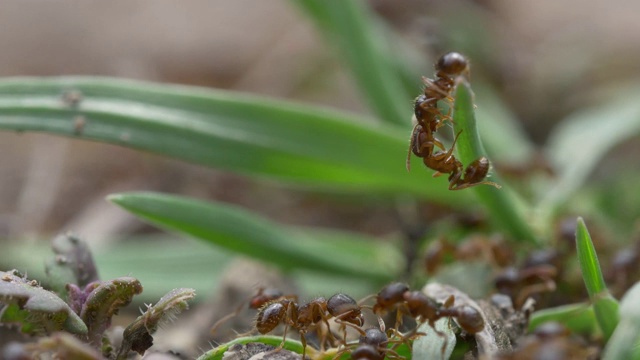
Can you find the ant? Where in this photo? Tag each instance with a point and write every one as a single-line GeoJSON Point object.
{"type": "Point", "coordinates": [520, 284]}
{"type": "Point", "coordinates": [341, 307]}
{"type": "Point", "coordinates": [429, 119]}
{"type": "Point", "coordinates": [424, 309]}
{"type": "Point", "coordinates": [448, 68]}
{"type": "Point", "coordinates": [257, 301]}
{"type": "Point", "coordinates": [493, 250]}
{"type": "Point", "coordinates": [371, 346]}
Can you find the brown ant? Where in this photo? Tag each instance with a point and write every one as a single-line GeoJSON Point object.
{"type": "Point", "coordinates": [448, 68]}
{"type": "Point", "coordinates": [492, 250]}
{"type": "Point", "coordinates": [429, 119]}
{"type": "Point", "coordinates": [397, 296]}
{"type": "Point", "coordinates": [373, 345]}
{"type": "Point", "coordinates": [257, 301]}
{"type": "Point", "coordinates": [341, 307]}
{"type": "Point", "coordinates": [521, 284]}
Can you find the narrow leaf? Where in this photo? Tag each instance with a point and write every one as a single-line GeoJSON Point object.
{"type": "Point", "coordinates": [604, 305]}
{"type": "Point", "coordinates": [580, 142]}
{"type": "Point", "coordinates": [302, 145]}
{"type": "Point", "coordinates": [352, 27]}
{"type": "Point", "coordinates": [503, 205]}
{"type": "Point", "coordinates": [238, 230]}
{"type": "Point", "coordinates": [579, 318]}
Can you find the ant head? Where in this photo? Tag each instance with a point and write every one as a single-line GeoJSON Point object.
{"type": "Point", "coordinates": [345, 307]}
{"type": "Point", "coordinates": [453, 64]}
{"type": "Point", "coordinates": [374, 337]}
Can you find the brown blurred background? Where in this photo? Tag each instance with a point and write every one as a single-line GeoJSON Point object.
{"type": "Point", "coordinates": [544, 56]}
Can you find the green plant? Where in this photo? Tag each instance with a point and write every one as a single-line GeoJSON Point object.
{"type": "Point", "coordinates": [325, 150]}
{"type": "Point", "coordinates": [90, 304]}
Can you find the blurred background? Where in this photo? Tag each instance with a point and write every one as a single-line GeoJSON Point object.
{"type": "Point", "coordinates": [546, 59]}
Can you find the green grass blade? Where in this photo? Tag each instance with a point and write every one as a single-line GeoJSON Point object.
{"type": "Point", "coordinates": [604, 305]}
{"type": "Point", "coordinates": [580, 142]}
{"type": "Point", "coordinates": [218, 352]}
{"type": "Point", "coordinates": [502, 204]}
{"type": "Point", "coordinates": [623, 344]}
{"type": "Point", "coordinates": [303, 145]}
{"type": "Point", "coordinates": [362, 44]}
{"type": "Point", "coordinates": [238, 230]}
{"type": "Point", "coordinates": [579, 318]}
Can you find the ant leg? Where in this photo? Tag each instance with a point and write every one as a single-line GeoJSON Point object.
{"type": "Point", "coordinates": [455, 181]}
{"type": "Point", "coordinates": [453, 145]}
{"type": "Point", "coordinates": [464, 186]}
{"type": "Point", "coordinates": [432, 85]}
{"type": "Point", "coordinates": [303, 340]}
{"type": "Point", "coordinates": [328, 335]}
{"type": "Point", "coordinates": [404, 338]}
{"type": "Point", "coordinates": [226, 318]}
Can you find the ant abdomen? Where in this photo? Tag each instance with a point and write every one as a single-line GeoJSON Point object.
{"type": "Point", "coordinates": [469, 319]}
{"type": "Point", "coordinates": [270, 316]}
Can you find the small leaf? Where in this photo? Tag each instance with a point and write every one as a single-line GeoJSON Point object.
{"type": "Point", "coordinates": [104, 302]}
{"type": "Point", "coordinates": [604, 305]}
{"type": "Point", "coordinates": [42, 309]}
{"type": "Point", "coordinates": [137, 336]}
{"type": "Point", "coordinates": [72, 264]}
{"type": "Point", "coordinates": [623, 344]}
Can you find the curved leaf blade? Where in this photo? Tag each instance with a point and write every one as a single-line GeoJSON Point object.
{"type": "Point", "coordinates": [605, 306]}
{"type": "Point", "coordinates": [246, 233]}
